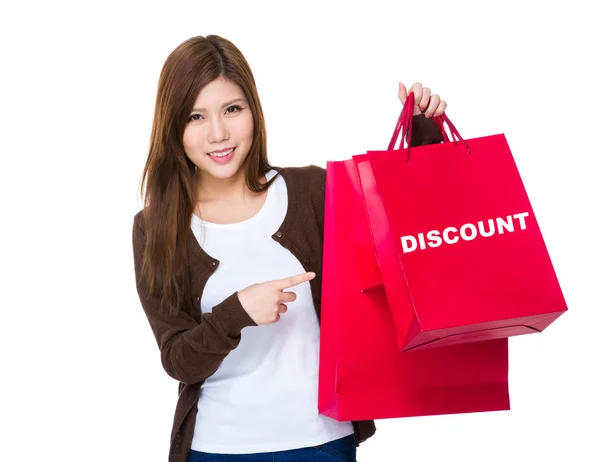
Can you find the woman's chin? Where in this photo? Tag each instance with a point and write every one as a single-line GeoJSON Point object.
{"type": "Point", "coordinates": [222, 172]}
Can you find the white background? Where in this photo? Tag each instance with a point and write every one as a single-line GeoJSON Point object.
{"type": "Point", "coordinates": [82, 378]}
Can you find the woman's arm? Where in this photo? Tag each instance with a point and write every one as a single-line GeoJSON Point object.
{"type": "Point", "coordinates": [424, 131]}
{"type": "Point", "coordinates": [190, 351]}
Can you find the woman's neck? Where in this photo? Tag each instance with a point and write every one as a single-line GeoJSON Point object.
{"type": "Point", "coordinates": [210, 188]}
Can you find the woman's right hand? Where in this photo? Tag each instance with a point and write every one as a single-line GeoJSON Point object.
{"type": "Point", "coordinates": [265, 302]}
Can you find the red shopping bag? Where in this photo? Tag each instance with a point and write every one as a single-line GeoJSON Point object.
{"type": "Point", "coordinates": [460, 251]}
{"type": "Point", "coordinates": [369, 273]}
{"type": "Point", "coordinates": [362, 373]}
{"type": "Point", "coordinates": [363, 246]}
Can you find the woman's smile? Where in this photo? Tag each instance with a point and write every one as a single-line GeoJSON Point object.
{"type": "Point", "coordinates": [222, 157]}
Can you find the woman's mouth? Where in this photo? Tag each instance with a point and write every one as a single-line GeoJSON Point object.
{"type": "Point", "coordinates": [222, 157]}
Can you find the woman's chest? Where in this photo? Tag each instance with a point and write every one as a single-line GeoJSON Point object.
{"type": "Point", "coordinates": [230, 211]}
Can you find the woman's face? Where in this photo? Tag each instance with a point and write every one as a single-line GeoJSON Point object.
{"type": "Point", "coordinates": [220, 120]}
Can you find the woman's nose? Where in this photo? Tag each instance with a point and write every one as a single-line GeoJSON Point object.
{"type": "Point", "coordinates": [217, 131]}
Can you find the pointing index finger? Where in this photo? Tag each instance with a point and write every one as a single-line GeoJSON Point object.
{"type": "Point", "coordinates": [293, 281]}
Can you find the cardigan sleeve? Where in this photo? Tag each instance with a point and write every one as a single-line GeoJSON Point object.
{"type": "Point", "coordinates": [190, 351]}
{"type": "Point", "coordinates": [425, 131]}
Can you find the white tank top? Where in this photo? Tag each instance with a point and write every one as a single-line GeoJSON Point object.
{"type": "Point", "coordinates": [263, 397]}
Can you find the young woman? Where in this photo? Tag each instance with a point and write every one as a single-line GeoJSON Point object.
{"type": "Point", "coordinates": [227, 253]}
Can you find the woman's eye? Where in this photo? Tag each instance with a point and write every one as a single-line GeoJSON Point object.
{"type": "Point", "coordinates": [229, 110]}
{"type": "Point", "coordinates": [237, 108]}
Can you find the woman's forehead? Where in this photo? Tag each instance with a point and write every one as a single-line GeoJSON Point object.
{"type": "Point", "coordinates": [217, 94]}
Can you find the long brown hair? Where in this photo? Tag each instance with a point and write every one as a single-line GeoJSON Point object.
{"type": "Point", "coordinates": [169, 178]}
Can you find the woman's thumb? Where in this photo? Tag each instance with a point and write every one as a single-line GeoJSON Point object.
{"type": "Point", "coordinates": [402, 93]}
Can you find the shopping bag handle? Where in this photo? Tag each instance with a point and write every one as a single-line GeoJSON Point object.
{"type": "Point", "coordinates": [402, 123]}
{"type": "Point", "coordinates": [403, 128]}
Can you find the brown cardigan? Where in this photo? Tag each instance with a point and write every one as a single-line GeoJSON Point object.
{"type": "Point", "coordinates": [193, 345]}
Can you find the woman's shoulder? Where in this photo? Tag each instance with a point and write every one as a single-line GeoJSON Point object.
{"type": "Point", "coordinates": [306, 176]}
{"type": "Point", "coordinates": [139, 224]}
{"type": "Point", "coordinates": [138, 218]}
{"type": "Point", "coordinates": [303, 170]}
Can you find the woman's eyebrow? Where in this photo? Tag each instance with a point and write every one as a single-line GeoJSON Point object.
{"type": "Point", "coordinates": [200, 109]}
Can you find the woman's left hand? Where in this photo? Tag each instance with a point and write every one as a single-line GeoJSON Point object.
{"type": "Point", "coordinates": [425, 102]}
